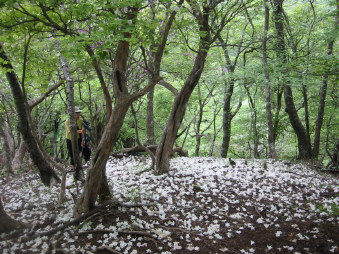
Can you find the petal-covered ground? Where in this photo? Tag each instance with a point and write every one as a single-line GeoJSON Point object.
{"type": "Point", "coordinates": [204, 205]}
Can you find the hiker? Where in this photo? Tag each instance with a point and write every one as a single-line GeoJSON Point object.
{"type": "Point", "coordinates": [81, 131]}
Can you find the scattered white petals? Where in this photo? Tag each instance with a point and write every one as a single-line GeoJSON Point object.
{"type": "Point", "coordinates": [201, 200]}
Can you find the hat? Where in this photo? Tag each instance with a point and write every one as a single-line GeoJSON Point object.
{"type": "Point", "coordinates": [77, 110]}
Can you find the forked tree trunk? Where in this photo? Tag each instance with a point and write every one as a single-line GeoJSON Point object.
{"type": "Point", "coordinates": [155, 57]}
{"type": "Point", "coordinates": [47, 174]}
{"type": "Point", "coordinates": [254, 123]}
{"type": "Point", "coordinates": [166, 144]}
{"type": "Point", "coordinates": [96, 182]}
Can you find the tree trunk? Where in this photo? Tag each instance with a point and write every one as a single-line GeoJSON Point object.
{"type": "Point", "coordinates": [269, 122]}
{"type": "Point", "coordinates": [19, 156]}
{"type": "Point", "coordinates": [179, 106]}
{"type": "Point", "coordinates": [304, 141]}
{"type": "Point", "coordinates": [96, 183]}
{"type": "Point", "coordinates": [229, 87]}
{"type": "Point", "coordinates": [150, 118]}
{"type": "Point", "coordinates": [307, 115]}
{"type": "Point", "coordinates": [334, 163]}
{"type": "Point", "coordinates": [6, 154]}
{"type": "Point", "coordinates": [9, 138]}
{"type": "Point", "coordinates": [227, 119]}
{"type": "Point", "coordinates": [6, 151]}
{"type": "Point", "coordinates": [198, 124]}
{"type": "Point", "coordinates": [46, 172]}
{"type": "Point", "coordinates": [7, 224]}
{"type": "Point", "coordinates": [155, 57]}
{"type": "Point", "coordinates": [71, 112]}
{"type": "Point", "coordinates": [322, 93]}
{"type": "Point", "coordinates": [254, 124]}
{"type": "Point", "coordinates": [96, 170]}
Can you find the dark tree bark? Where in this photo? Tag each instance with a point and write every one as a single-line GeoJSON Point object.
{"type": "Point", "coordinates": [47, 174]}
{"type": "Point", "coordinates": [269, 121]}
{"type": "Point", "coordinates": [304, 141]}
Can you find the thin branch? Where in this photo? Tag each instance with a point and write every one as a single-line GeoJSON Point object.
{"type": "Point", "coordinates": [33, 103]}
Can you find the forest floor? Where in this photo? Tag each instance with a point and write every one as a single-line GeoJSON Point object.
{"type": "Point", "coordinates": [204, 205]}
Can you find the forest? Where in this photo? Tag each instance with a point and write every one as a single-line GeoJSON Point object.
{"type": "Point", "coordinates": [207, 120]}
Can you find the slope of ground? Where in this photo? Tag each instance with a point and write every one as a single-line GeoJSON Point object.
{"type": "Point", "coordinates": [204, 205]}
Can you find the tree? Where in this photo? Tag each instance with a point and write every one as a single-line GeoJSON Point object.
{"type": "Point", "coordinates": [123, 101]}
{"type": "Point", "coordinates": [304, 142]}
{"type": "Point", "coordinates": [47, 174]}
{"type": "Point", "coordinates": [302, 132]}
{"type": "Point", "coordinates": [228, 115]}
{"type": "Point", "coordinates": [269, 121]}
{"type": "Point", "coordinates": [323, 90]}
{"type": "Point", "coordinates": [71, 112]}
{"type": "Point", "coordinates": [202, 15]}
{"type": "Point", "coordinates": [179, 106]}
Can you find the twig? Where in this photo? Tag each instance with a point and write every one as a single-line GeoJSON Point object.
{"type": "Point", "coordinates": [287, 171]}
{"type": "Point", "coordinates": [133, 232]}
{"type": "Point", "coordinates": [70, 223]}
{"type": "Point", "coordinates": [135, 205]}
{"type": "Point", "coordinates": [256, 209]}
{"type": "Point", "coordinates": [179, 229]}
{"type": "Point", "coordinates": [110, 250]}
